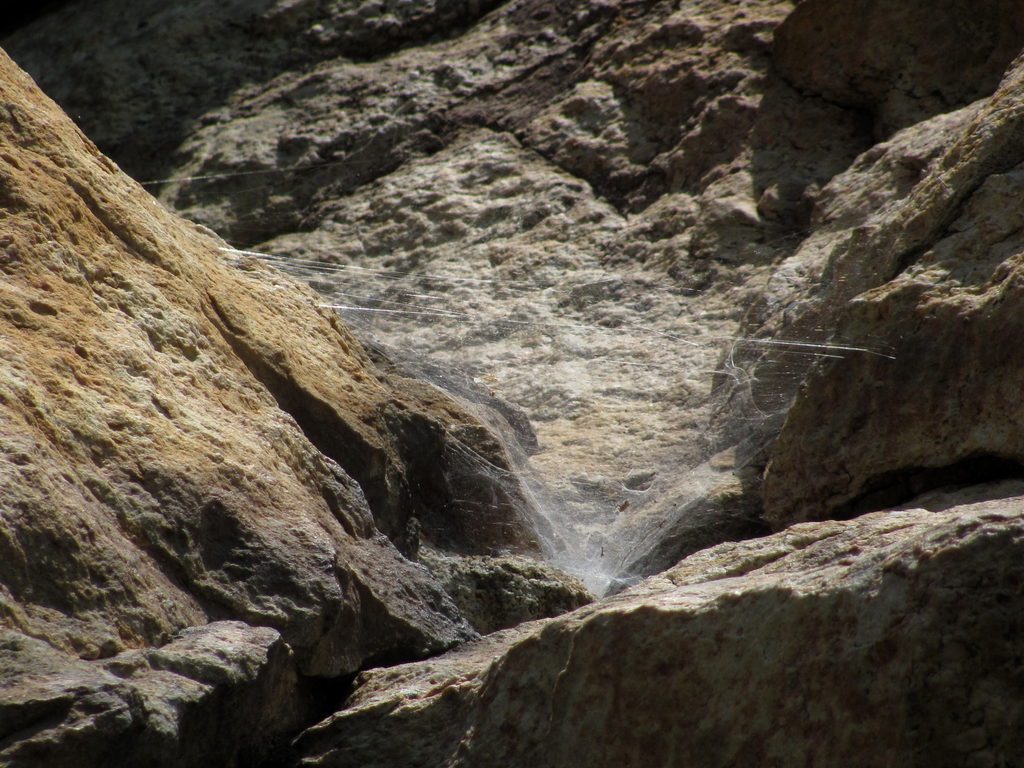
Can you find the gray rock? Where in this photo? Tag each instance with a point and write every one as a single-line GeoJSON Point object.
{"type": "Point", "coordinates": [145, 74]}
{"type": "Point", "coordinates": [196, 701]}
{"type": "Point", "coordinates": [900, 60]}
{"type": "Point", "coordinates": [502, 591]}
{"type": "Point", "coordinates": [593, 194]}
{"type": "Point", "coordinates": [890, 639]}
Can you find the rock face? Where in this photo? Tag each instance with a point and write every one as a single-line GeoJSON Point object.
{"type": "Point", "coordinates": [182, 439]}
{"type": "Point", "coordinates": [195, 701]}
{"type": "Point", "coordinates": [663, 275]}
{"type": "Point", "coordinates": [900, 60]}
{"type": "Point", "coordinates": [941, 300]}
{"type": "Point", "coordinates": [890, 639]}
{"type": "Point", "coordinates": [206, 51]}
{"type": "Point", "coordinates": [575, 203]}
{"type": "Point", "coordinates": [640, 223]}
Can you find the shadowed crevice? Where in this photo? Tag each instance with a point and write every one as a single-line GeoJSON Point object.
{"type": "Point", "coordinates": [901, 486]}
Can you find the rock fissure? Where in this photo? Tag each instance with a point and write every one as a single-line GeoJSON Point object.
{"type": "Point", "coordinates": [900, 486]}
{"type": "Point", "coordinates": [596, 250]}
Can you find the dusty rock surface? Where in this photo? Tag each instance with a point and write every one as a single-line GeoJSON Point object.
{"type": "Point", "coordinates": [196, 700]}
{"type": "Point", "coordinates": [890, 639]}
{"type": "Point", "coordinates": [187, 440]}
{"type": "Point", "coordinates": [664, 275]}
{"type": "Point", "coordinates": [499, 592]}
{"type": "Point", "coordinates": [940, 295]}
{"type": "Point", "coordinates": [636, 222]}
{"type": "Point", "coordinates": [576, 204]}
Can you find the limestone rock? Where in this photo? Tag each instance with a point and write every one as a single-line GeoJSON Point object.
{"type": "Point", "coordinates": [632, 221]}
{"type": "Point", "coordinates": [939, 408]}
{"type": "Point", "coordinates": [137, 99]}
{"type": "Point", "coordinates": [890, 639]}
{"type": "Point", "coordinates": [640, 230]}
{"type": "Point", "coordinates": [197, 700]}
{"type": "Point", "coordinates": [901, 60]}
{"type": "Point", "coordinates": [640, 223]}
{"type": "Point", "coordinates": [424, 709]}
{"type": "Point", "coordinates": [169, 407]}
{"type": "Point", "coordinates": [502, 591]}
{"type": "Point", "coordinates": [576, 204]}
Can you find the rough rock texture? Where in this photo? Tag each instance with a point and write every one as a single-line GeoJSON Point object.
{"type": "Point", "coordinates": [197, 700]}
{"type": "Point", "coordinates": [179, 437]}
{"type": "Point", "coordinates": [939, 277]}
{"type": "Point", "coordinates": [893, 639]}
{"type": "Point", "coordinates": [142, 391]}
{"type": "Point", "coordinates": [502, 591]}
{"type": "Point", "coordinates": [137, 99]}
{"type": "Point", "coordinates": [712, 266]}
{"type": "Point", "coordinates": [900, 60]}
{"type": "Point", "coordinates": [589, 191]}
{"type": "Point", "coordinates": [638, 222]}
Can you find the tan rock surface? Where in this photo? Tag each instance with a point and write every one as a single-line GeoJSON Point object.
{"type": "Point", "coordinates": [626, 236]}
{"type": "Point", "coordinates": [892, 639]}
{"type": "Point", "coordinates": [941, 408]}
{"type": "Point", "coordinates": [152, 480]}
{"type": "Point", "coordinates": [588, 254]}
{"type": "Point", "coordinates": [609, 215]}
{"type": "Point", "coordinates": [160, 417]}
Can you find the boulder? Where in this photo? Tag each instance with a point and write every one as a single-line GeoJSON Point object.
{"type": "Point", "coordinates": [224, 694]}
{"type": "Point", "coordinates": [892, 639]}
{"type": "Point", "coordinates": [501, 591]}
{"type": "Point", "coordinates": [937, 406]}
{"type": "Point", "coordinates": [188, 438]}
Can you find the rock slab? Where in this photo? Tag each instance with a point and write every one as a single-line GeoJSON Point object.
{"type": "Point", "coordinates": [197, 700]}
{"type": "Point", "coordinates": [893, 639]}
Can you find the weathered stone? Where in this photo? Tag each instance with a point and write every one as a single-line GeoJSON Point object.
{"type": "Point", "coordinates": [901, 60]}
{"type": "Point", "coordinates": [502, 591]}
{"type": "Point", "coordinates": [746, 230]}
{"type": "Point", "coordinates": [423, 709]}
{"type": "Point", "coordinates": [197, 700]}
{"type": "Point", "coordinates": [593, 194]}
{"type": "Point", "coordinates": [938, 407]}
{"type": "Point", "coordinates": [158, 407]}
{"type": "Point", "coordinates": [145, 73]}
{"type": "Point", "coordinates": [892, 639]}
{"type": "Point", "coordinates": [646, 224]}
